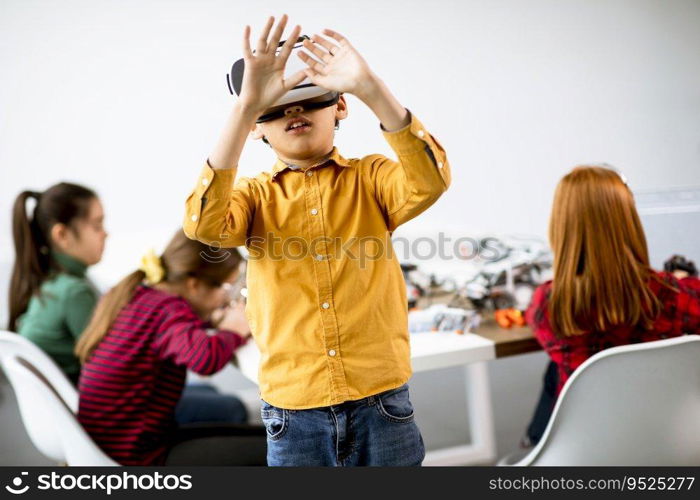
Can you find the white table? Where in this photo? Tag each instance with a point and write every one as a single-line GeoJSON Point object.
{"type": "Point", "coordinates": [432, 351]}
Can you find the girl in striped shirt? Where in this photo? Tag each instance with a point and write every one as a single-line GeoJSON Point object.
{"type": "Point", "coordinates": [145, 334]}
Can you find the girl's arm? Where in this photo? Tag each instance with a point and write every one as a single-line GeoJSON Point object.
{"type": "Point", "coordinates": [186, 340]}
{"type": "Point", "coordinates": [688, 305]}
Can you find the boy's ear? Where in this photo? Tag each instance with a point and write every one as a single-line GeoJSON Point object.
{"type": "Point", "coordinates": [256, 132]}
{"type": "Point", "coordinates": [341, 108]}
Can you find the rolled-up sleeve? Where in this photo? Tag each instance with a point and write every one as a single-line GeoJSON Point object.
{"type": "Point", "coordinates": [407, 187]}
{"type": "Point", "coordinates": [217, 212]}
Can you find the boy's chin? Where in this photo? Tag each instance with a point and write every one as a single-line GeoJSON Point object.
{"type": "Point", "coordinates": [302, 151]}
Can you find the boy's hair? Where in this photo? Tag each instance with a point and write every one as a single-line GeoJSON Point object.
{"type": "Point", "coordinates": [62, 203]}
{"type": "Point", "coordinates": [337, 126]}
{"type": "Point", "coordinates": [181, 259]}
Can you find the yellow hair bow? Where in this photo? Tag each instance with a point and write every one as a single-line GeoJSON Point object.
{"type": "Point", "coordinates": [152, 267]}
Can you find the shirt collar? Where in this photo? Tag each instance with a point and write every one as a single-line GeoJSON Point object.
{"type": "Point", "coordinates": [335, 157]}
{"type": "Point", "coordinates": [70, 264]}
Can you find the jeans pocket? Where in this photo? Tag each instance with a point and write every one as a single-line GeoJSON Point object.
{"type": "Point", "coordinates": [395, 406]}
{"type": "Point", "coordinates": [275, 420]}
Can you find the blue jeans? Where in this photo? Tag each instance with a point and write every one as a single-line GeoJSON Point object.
{"type": "Point", "coordinates": [202, 403]}
{"type": "Point", "coordinates": [378, 430]}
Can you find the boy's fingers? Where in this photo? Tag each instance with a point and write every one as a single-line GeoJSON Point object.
{"type": "Point", "coordinates": [277, 35]}
{"type": "Point", "coordinates": [335, 35]}
{"type": "Point", "coordinates": [247, 53]}
{"type": "Point", "coordinates": [295, 79]}
{"type": "Point", "coordinates": [289, 44]}
{"type": "Point", "coordinates": [321, 54]}
{"type": "Point", "coordinates": [262, 41]}
{"type": "Point", "coordinates": [312, 63]}
{"type": "Point", "coordinates": [312, 75]}
{"type": "Point", "coordinates": [325, 43]}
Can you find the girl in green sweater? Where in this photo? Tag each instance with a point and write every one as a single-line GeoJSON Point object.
{"type": "Point", "coordinates": [51, 299]}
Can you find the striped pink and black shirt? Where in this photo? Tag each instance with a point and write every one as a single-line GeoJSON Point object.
{"type": "Point", "coordinates": [134, 379]}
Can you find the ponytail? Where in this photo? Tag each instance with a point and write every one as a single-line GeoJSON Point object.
{"type": "Point", "coordinates": [32, 259]}
{"type": "Point", "coordinates": [60, 204]}
{"type": "Point", "coordinates": [105, 313]}
{"type": "Point", "coordinates": [181, 259]}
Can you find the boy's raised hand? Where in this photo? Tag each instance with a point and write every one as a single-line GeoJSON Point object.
{"type": "Point", "coordinates": [341, 69]}
{"type": "Point", "coordinates": [263, 78]}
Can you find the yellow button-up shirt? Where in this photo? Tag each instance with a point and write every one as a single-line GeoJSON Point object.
{"type": "Point", "coordinates": [326, 297]}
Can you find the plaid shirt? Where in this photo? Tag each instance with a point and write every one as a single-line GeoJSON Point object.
{"type": "Point", "coordinates": [680, 315]}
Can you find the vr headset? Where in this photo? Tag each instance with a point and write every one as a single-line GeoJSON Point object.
{"type": "Point", "coordinates": [306, 95]}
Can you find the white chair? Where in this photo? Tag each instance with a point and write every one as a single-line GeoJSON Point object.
{"type": "Point", "coordinates": [13, 344]}
{"type": "Point", "coordinates": [50, 424]}
{"type": "Point", "coordinates": [631, 405]}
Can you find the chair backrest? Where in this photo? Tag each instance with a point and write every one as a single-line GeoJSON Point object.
{"type": "Point", "coordinates": [637, 404]}
{"type": "Point", "coordinates": [50, 424]}
{"type": "Point", "coordinates": [14, 344]}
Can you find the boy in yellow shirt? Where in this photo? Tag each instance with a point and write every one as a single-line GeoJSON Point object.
{"type": "Point", "coordinates": [326, 297]}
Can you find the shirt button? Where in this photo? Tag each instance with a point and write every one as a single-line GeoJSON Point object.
{"type": "Point", "coordinates": [314, 211]}
{"type": "Point", "coordinates": [319, 257]}
{"type": "Point", "coordinates": [205, 182]}
{"type": "Point", "coordinates": [440, 164]}
{"type": "Point", "coordinates": [309, 173]}
{"type": "Point", "coordinates": [331, 352]}
{"type": "Point", "coordinates": [325, 305]}
{"type": "Point", "coordinates": [421, 133]}
{"type": "Point", "coordinates": [194, 218]}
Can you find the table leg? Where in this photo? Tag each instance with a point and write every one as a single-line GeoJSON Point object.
{"type": "Point", "coordinates": [482, 449]}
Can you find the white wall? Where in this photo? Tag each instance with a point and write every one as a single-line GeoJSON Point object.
{"type": "Point", "coordinates": [128, 97]}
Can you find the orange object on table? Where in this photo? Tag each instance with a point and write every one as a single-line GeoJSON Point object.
{"type": "Point", "coordinates": [507, 318]}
